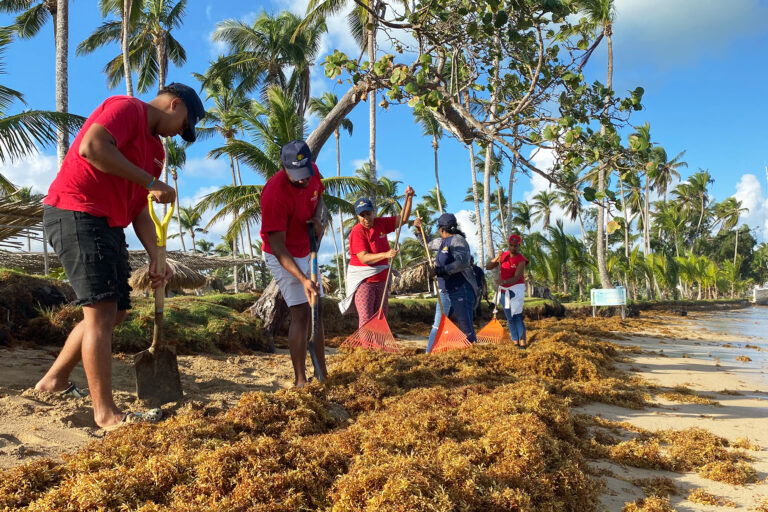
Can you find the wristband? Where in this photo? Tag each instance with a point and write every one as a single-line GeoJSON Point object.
{"type": "Point", "coordinates": [151, 183]}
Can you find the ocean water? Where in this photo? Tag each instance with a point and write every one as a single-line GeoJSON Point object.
{"type": "Point", "coordinates": [747, 333]}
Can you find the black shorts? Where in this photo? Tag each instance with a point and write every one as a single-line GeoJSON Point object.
{"type": "Point", "coordinates": [94, 255]}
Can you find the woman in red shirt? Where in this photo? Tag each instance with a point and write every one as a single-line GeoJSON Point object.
{"type": "Point", "coordinates": [369, 254]}
{"type": "Point", "coordinates": [512, 287]}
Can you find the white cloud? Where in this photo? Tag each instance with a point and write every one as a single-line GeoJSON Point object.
{"type": "Point", "coordinates": [750, 192]}
{"type": "Point", "coordinates": [469, 227]}
{"type": "Point", "coordinates": [207, 167]}
{"type": "Point", "coordinates": [37, 171]}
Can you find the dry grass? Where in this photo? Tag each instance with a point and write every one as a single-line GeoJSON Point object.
{"type": "Point", "coordinates": [651, 504]}
{"type": "Point", "coordinates": [484, 429]}
{"type": "Point", "coordinates": [657, 486]}
{"type": "Point", "coordinates": [703, 497]}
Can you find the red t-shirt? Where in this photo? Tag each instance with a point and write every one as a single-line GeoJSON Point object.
{"type": "Point", "coordinates": [81, 187]}
{"type": "Point", "coordinates": [371, 240]}
{"type": "Point", "coordinates": [509, 264]}
{"type": "Point", "coordinates": [288, 208]}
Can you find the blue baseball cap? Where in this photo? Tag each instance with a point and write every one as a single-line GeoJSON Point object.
{"type": "Point", "coordinates": [447, 220]}
{"type": "Point", "coordinates": [195, 109]}
{"type": "Point", "coordinates": [297, 160]}
{"type": "Point", "coordinates": [363, 205]}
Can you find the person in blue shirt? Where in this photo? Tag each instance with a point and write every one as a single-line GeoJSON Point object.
{"type": "Point", "coordinates": [456, 280]}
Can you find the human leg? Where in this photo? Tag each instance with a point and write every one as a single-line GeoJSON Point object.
{"type": "Point", "coordinates": [446, 300]}
{"type": "Point", "coordinates": [463, 305]}
{"type": "Point", "coordinates": [520, 326]}
{"type": "Point", "coordinates": [365, 302]}
{"type": "Point", "coordinates": [298, 332]}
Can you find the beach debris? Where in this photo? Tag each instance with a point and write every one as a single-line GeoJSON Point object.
{"type": "Point", "coordinates": [744, 359]}
{"type": "Point", "coordinates": [650, 504]}
{"type": "Point", "coordinates": [657, 486]}
{"type": "Point", "coordinates": [703, 497]}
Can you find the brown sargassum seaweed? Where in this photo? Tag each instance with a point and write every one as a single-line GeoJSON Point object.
{"type": "Point", "coordinates": [486, 429]}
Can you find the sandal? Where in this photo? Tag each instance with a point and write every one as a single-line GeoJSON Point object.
{"type": "Point", "coordinates": [73, 391]}
{"type": "Point", "coordinates": [150, 416]}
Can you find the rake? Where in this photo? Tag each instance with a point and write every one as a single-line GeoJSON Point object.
{"type": "Point", "coordinates": [493, 332]}
{"type": "Point", "coordinates": [375, 333]}
{"type": "Point", "coordinates": [449, 336]}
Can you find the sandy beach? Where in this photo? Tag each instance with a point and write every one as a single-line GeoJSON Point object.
{"type": "Point", "coordinates": [669, 352]}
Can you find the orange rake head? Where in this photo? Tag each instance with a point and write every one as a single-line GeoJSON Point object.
{"type": "Point", "coordinates": [373, 335]}
{"type": "Point", "coordinates": [449, 337]}
{"type": "Point", "coordinates": [493, 332]}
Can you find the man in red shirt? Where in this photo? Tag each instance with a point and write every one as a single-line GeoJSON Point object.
{"type": "Point", "coordinates": [290, 200]}
{"type": "Point", "coordinates": [369, 255]}
{"type": "Point", "coordinates": [113, 164]}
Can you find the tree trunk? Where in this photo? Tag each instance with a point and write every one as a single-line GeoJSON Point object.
{"type": "Point", "coordinates": [500, 200]}
{"type": "Point", "coordinates": [178, 210]}
{"type": "Point", "coordinates": [234, 241]}
{"type": "Point", "coordinates": [343, 272]}
{"type": "Point", "coordinates": [192, 236]}
{"type": "Point", "coordinates": [61, 27]}
{"type": "Point", "coordinates": [247, 232]}
{"type": "Point", "coordinates": [605, 280]}
{"type": "Point", "coordinates": [437, 177]}
{"type": "Point", "coordinates": [487, 233]}
{"type": "Point", "coordinates": [647, 219]}
{"type": "Point", "coordinates": [736, 247]}
{"type": "Point", "coordinates": [476, 201]}
{"type": "Point", "coordinates": [372, 105]}
{"type": "Point", "coordinates": [124, 40]}
{"type": "Point", "coordinates": [272, 310]}
{"type": "Point", "coordinates": [626, 218]}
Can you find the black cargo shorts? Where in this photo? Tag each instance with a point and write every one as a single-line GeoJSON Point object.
{"type": "Point", "coordinates": [93, 254]}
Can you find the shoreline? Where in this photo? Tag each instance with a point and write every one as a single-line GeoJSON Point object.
{"type": "Point", "coordinates": [669, 352]}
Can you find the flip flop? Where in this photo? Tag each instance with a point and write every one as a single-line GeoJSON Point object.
{"type": "Point", "coordinates": [150, 416]}
{"type": "Point", "coordinates": [74, 391]}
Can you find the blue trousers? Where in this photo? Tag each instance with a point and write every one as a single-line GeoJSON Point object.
{"type": "Point", "coordinates": [516, 325]}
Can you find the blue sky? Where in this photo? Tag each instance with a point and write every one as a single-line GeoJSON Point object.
{"type": "Point", "coordinates": [702, 64]}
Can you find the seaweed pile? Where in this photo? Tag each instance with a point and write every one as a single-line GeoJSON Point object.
{"type": "Point", "coordinates": [487, 429]}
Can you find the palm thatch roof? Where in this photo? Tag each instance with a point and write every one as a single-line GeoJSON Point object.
{"type": "Point", "coordinates": [17, 217]}
{"type": "Point", "coordinates": [412, 279]}
{"type": "Point", "coordinates": [183, 278]}
{"type": "Point", "coordinates": [34, 262]}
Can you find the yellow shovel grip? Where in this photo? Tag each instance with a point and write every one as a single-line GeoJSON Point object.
{"type": "Point", "coordinates": [161, 228]}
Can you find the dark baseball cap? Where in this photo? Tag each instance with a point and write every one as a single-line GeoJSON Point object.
{"type": "Point", "coordinates": [447, 220]}
{"type": "Point", "coordinates": [297, 160]}
{"type": "Point", "coordinates": [363, 205]}
{"type": "Point", "coordinates": [195, 109]}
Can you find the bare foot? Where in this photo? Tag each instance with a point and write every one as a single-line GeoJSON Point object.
{"type": "Point", "coordinates": [109, 419]}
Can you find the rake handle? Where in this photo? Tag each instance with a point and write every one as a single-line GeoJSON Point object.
{"type": "Point", "coordinates": [429, 262]}
{"type": "Point", "coordinates": [392, 260]}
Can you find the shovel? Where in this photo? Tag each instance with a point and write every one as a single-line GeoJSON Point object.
{"type": "Point", "coordinates": [314, 304]}
{"type": "Point", "coordinates": [157, 370]}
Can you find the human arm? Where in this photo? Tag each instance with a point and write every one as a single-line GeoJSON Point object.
{"type": "Point", "coordinates": [519, 271]}
{"type": "Point", "coordinates": [145, 231]}
{"type": "Point", "coordinates": [99, 148]}
{"type": "Point", "coordinates": [369, 258]}
{"type": "Point", "coordinates": [406, 214]}
{"type": "Point", "coordinates": [461, 255]}
{"type": "Point", "coordinates": [280, 251]}
{"type": "Point", "coordinates": [491, 264]}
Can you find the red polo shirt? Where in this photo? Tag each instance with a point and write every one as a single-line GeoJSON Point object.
{"type": "Point", "coordinates": [285, 207]}
{"type": "Point", "coordinates": [81, 187]}
{"type": "Point", "coordinates": [373, 240]}
{"type": "Point", "coordinates": [509, 265]}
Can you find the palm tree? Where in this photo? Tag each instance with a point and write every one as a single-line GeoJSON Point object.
{"type": "Point", "coordinates": [729, 212]}
{"type": "Point", "coordinates": [27, 24]}
{"type": "Point", "coordinates": [189, 220]}
{"type": "Point", "coordinates": [260, 54]}
{"type": "Point", "coordinates": [543, 202]}
{"type": "Point", "coordinates": [176, 157]}
{"type": "Point", "coordinates": [206, 247]}
{"type": "Point", "coordinates": [522, 216]}
{"type": "Point", "coordinates": [431, 128]}
{"type": "Point", "coordinates": [667, 170]}
{"type": "Point", "coordinates": [601, 14]}
{"type": "Point", "coordinates": [363, 26]}
{"type": "Point", "coordinates": [151, 43]}
{"type": "Point", "coordinates": [321, 107]}
{"type": "Point", "coordinates": [569, 198]}
{"type": "Point", "coordinates": [21, 133]}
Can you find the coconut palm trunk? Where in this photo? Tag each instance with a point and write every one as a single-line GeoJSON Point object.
{"type": "Point", "coordinates": [605, 280]}
{"type": "Point", "coordinates": [234, 240]}
{"type": "Point", "coordinates": [61, 30]}
{"type": "Point", "coordinates": [343, 272]}
{"type": "Point", "coordinates": [476, 201]}
{"type": "Point", "coordinates": [435, 147]}
{"type": "Point", "coordinates": [124, 41]}
{"type": "Point", "coordinates": [247, 232]}
{"type": "Point", "coordinates": [372, 103]}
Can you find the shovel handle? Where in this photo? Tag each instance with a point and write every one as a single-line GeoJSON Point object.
{"type": "Point", "coordinates": [161, 228]}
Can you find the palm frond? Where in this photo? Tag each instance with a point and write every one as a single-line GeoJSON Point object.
{"type": "Point", "coordinates": [21, 133]}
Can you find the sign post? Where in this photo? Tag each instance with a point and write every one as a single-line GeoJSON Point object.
{"type": "Point", "coordinates": [609, 297]}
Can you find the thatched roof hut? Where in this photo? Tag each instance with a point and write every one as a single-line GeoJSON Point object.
{"type": "Point", "coordinates": [412, 279]}
{"type": "Point", "coordinates": [183, 277]}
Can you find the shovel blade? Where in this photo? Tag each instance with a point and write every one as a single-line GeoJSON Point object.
{"type": "Point", "coordinates": [157, 376]}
